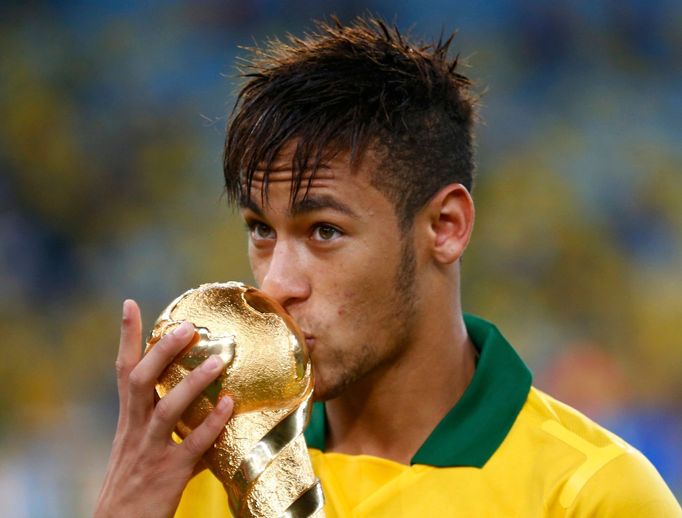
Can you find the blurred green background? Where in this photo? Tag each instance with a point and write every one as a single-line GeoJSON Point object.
{"type": "Point", "coordinates": [112, 116]}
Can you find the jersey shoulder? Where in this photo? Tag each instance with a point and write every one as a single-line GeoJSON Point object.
{"type": "Point", "coordinates": [595, 472]}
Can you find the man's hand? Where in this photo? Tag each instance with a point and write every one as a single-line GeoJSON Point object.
{"type": "Point", "coordinates": [147, 471]}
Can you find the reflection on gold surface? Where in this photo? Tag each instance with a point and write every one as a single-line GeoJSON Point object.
{"type": "Point", "coordinates": [261, 457]}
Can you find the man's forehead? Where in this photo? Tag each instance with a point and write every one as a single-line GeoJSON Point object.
{"type": "Point", "coordinates": [307, 193]}
{"type": "Point", "coordinates": [286, 175]}
{"type": "Point", "coordinates": [283, 171]}
{"type": "Point", "coordinates": [258, 194]}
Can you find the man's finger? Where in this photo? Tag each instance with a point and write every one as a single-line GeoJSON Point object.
{"type": "Point", "coordinates": [204, 435]}
{"type": "Point", "coordinates": [171, 407]}
{"type": "Point", "coordinates": [129, 351]}
{"type": "Point", "coordinates": [143, 377]}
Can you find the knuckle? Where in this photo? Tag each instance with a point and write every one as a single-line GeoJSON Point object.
{"type": "Point", "coordinates": [163, 410]}
{"type": "Point", "coordinates": [121, 369]}
{"type": "Point", "coordinates": [136, 380]}
{"type": "Point", "coordinates": [194, 446]}
{"type": "Point", "coordinates": [167, 345]}
{"type": "Point", "coordinates": [213, 423]}
{"type": "Point", "coordinates": [195, 381]}
{"type": "Point", "coordinates": [210, 428]}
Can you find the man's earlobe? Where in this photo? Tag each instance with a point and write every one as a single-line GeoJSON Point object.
{"type": "Point", "coordinates": [451, 213]}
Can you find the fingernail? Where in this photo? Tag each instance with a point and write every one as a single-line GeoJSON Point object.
{"type": "Point", "coordinates": [223, 403]}
{"type": "Point", "coordinates": [126, 309]}
{"type": "Point", "coordinates": [213, 363]}
{"type": "Point", "coordinates": [184, 330]}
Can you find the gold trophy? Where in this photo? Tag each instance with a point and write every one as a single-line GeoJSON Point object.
{"type": "Point", "coordinates": [261, 456]}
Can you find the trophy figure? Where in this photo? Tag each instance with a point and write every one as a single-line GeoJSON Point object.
{"type": "Point", "coordinates": [261, 456]}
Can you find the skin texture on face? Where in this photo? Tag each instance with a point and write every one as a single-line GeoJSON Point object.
{"type": "Point", "coordinates": [338, 263]}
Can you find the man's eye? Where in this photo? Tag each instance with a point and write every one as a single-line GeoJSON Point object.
{"type": "Point", "coordinates": [326, 233]}
{"type": "Point", "coordinates": [261, 231]}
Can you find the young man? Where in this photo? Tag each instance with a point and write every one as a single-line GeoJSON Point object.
{"type": "Point", "coordinates": [350, 154]}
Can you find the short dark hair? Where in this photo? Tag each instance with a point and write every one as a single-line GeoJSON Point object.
{"type": "Point", "coordinates": [350, 88]}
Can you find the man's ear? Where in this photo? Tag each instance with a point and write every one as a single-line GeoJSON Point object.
{"type": "Point", "coordinates": [450, 216]}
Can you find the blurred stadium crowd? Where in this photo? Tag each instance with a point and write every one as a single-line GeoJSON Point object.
{"type": "Point", "coordinates": [111, 124]}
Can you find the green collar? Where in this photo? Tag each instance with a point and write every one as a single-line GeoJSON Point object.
{"type": "Point", "coordinates": [476, 426]}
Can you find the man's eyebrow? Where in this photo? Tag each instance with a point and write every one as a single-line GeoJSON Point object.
{"type": "Point", "coordinates": [251, 205]}
{"type": "Point", "coordinates": [305, 206]}
{"type": "Point", "coordinates": [320, 202]}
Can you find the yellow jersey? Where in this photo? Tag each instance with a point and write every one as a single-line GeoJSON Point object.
{"type": "Point", "coordinates": [505, 449]}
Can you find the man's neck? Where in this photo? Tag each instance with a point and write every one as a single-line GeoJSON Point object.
{"type": "Point", "coordinates": [391, 413]}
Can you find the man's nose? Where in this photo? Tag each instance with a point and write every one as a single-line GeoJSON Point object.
{"type": "Point", "coordinates": [286, 279]}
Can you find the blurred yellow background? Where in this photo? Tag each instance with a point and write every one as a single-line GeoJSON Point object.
{"type": "Point", "coordinates": [112, 117]}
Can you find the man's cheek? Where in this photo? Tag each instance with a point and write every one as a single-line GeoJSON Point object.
{"type": "Point", "coordinates": [258, 269]}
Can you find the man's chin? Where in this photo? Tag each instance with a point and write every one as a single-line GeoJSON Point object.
{"type": "Point", "coordinates": [321, 394]}
{"type": "Point", "coordinates": [324, 391]}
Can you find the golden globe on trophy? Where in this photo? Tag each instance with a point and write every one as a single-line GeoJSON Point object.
{"type": "Point", "coordinates": [261, 456]}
